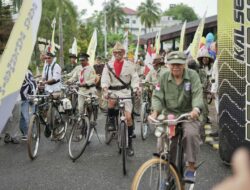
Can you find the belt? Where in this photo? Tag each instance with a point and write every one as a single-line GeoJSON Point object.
{"type": "Point", "coordinates": [88, 86]}
{"type": "Point", "coordinates": [117, 87]}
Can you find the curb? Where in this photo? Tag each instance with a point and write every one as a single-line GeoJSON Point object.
{"type": "Point", "coordinates": [213, 141]}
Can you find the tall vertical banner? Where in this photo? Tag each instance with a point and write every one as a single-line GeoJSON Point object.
{"type": "Point", "coordinates": [92, 48]}
{"type": "Point", "coordinates": [182, 37]}
{"type": "Point", "coordinates": [16, 56]}
{"type": "Point", "coordinates": [194, 47]}
{"type": "Point", "coordinates": [234, 75]}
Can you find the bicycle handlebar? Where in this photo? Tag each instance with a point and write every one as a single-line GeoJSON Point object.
{"type": "Point", "coordinates": [180, 119]}
{"type": "Point", "coordinates": [86, 95]}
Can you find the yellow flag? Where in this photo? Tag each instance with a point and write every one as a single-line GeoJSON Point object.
{"type": "Point", "coordinates": [183, 30]}
{"type": "Point", "coordinates": [197, 37]}
{"type": "Point", "coordinates": [16, 56]}
{"type": "Point", "coordinates": [92, 48]}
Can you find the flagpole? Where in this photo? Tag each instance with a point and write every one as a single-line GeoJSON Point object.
{"type": "Point", "coordinates": [105, 31]}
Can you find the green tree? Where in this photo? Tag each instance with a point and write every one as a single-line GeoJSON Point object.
{"type": "Point", "coordinates": [6, 24]}
{"type": "Point", "coordinates": [149, 13]}
{"type": "Point", "coordinates": [114, 15]}
{"type": "Point", "coordinates": [181, 12]}
{"type": "Point", "coordinates": [68, 12]}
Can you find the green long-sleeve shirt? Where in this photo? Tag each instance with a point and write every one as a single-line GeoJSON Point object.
{"type": "Point", "coordinates": [178, 99]}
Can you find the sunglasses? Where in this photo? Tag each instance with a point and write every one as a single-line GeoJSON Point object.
{"type": "Point", "coordinates": [48, 57]}
{"type": "Point", "coordinates": [117, 52]}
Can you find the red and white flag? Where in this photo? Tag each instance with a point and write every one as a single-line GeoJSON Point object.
{"type": "Point", "coordinates": [149, 59]}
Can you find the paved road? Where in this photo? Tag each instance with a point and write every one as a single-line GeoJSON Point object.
{"type": "Point", "coordinates": [99, 168]}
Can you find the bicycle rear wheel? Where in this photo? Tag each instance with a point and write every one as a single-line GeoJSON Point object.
{"type": "Point", "coordinates": [156, 174]}
{"type": "Point", "coordinates": [79, 137]}
{"type": "Point", "coordinates": [34, 132]}
{"type": "Point", "coordinates": [108, 133]}
{"type": "Point", "coordinates": [144, 121]}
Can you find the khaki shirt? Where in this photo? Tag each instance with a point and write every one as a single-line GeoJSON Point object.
{"type": "Point", "coordinates": [76, 69]}
{"type": "Point", "coordinates": [178, 99]}
{"type": "Point", "coordinates": [128, 75]}
{"type": "Point", "coordinates": [153, 75]}
{"type": "Point", "coordinates": [88, 76]}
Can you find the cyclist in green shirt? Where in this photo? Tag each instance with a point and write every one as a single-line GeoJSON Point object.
{"type": "Point", "coordinates": [179, 92]}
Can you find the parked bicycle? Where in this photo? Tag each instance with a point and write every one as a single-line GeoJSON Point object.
{"type": "Point", "coordinates": [161, 172]}
{"type": "Point", "coordinates": [48, 112]}
{"type": "Point", "coordinates": [121, 129]}
{"type": "Point", "coordinates": [84, 126]}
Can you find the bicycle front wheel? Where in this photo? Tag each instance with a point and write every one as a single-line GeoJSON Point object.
{"type": "Point", "coordinates": [79, 137]}
{"type": "Point", "coordinates": [34, 132]}
{"type": "Point", "coordinates": [122, 141]}
{"type": "Point", "coordinates": [156, 174]}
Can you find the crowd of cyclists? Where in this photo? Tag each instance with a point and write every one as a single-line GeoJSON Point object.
{"type": "Point", "coordinates": [178, 84]}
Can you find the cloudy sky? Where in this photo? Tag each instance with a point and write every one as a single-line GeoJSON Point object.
{"type": "Point", "coordinates": [199, 6]}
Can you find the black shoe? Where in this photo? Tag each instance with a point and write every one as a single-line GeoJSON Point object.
{"type": "Point", "coordinates": [208, 121]}
{"type": "Point", "coordinates": [214, 134]}
{"type": "Point", "coordinates": [111, 124]}
{"type": "Point", "coordinates": [130, 150]}
{"type": "Point", "coordinates": [47, 132]}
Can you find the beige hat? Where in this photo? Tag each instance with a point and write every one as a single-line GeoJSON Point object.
{"type": "Point", "coordinates": [118, 46]}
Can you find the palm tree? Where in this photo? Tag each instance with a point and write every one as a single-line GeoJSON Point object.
{"type": "Point", "coordinates": [149, 12]}
{"type": "Point", "coordinates": [114, 15]}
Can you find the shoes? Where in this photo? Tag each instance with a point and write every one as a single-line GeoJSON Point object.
{"type": "Point", "coordinates": [47, 131]}
{"type": "Point", "coordinates": [189, 176]}
{"type": "Point", "coordinates": [111, 124]}
{"type": "Point", "coordinates": [130, 150]}
{"type": "Point", "coordinates": [24, 138]}
{"type": "Point", "coordinates": [208, 121]}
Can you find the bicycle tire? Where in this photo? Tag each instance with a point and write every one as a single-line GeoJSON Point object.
{"type": "Point", "coordinates": [123, 145]}
{"type": "Point", "coordinates": [144, 122]}
{"type": "Point", "coordinates": [152, 165]}
{"type": "Point", "coordinates": [78, 143]}
{"type": "Point", "coordinates": [108, 134]}
{"type": "Point", "coordinates": [33, 139]}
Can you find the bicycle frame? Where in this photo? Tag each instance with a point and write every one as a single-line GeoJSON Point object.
{"type": "Point", "coordinates": [167, 139]}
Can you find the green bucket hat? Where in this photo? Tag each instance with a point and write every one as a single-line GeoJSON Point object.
{"type": "Point", "coordinates": [176, 57]}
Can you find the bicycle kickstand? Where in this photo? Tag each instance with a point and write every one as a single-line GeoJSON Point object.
{"type": "Point", "coordinates": [97, 134]}
{"type": "Point", "coordinates": [199, 164]}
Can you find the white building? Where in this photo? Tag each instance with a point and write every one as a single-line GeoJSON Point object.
{"type": "Point", "coordinates": [132, 22]}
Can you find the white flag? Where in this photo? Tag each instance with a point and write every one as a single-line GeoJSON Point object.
{"type": "Point", "coordinates": [92, 48]}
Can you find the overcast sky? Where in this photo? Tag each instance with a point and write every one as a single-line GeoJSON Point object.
{"type": "Point", "coordinates": [199, 6]}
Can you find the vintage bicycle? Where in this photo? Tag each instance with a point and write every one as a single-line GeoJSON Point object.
{"type": "Point", "coordinates": [161, 172]}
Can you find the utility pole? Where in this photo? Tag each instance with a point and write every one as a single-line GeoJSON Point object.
{"type": "Point", "coordinates": [105, 31]}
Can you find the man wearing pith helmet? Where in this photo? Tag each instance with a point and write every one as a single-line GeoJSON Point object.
{"type": "Point", "coordinates": [179, 92]}
{"type": "Point", "coordinates": [125, 71]}
{"type": "Point", "coordinates": [85, 78]}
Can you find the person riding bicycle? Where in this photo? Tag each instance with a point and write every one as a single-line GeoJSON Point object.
{"type": "Point", "coordinates": [205, 72]}
{"type": "Point", "coordinates": [159, 69]}
{"type": "Point", "coordinates": [51, 76]}
{"type": "Point", "coordinates": [86, 78]}
{"type": "Point", "coordinates": [179, 92]}
{"type": "Point", "coordinates": [119, 76]}
{"type": "Point", "coordinates": [74, 66]}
